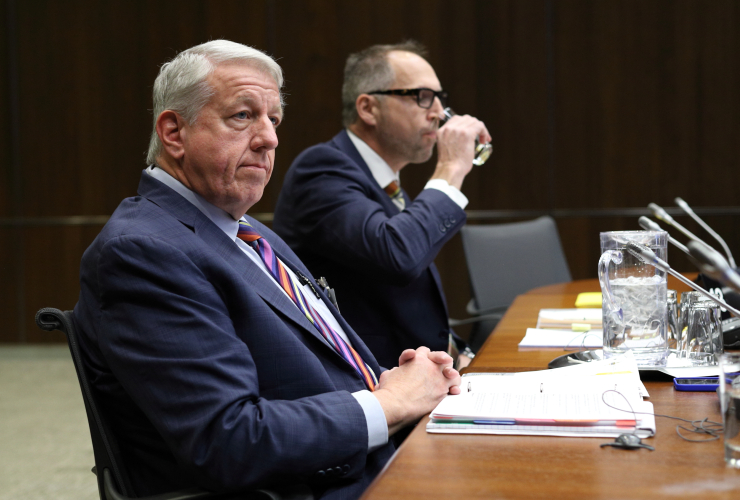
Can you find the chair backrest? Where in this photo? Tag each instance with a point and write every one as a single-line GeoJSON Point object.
{"type": "Point", "coordinates": [113, 480]}
{"type": "Point", "coordinates": [506, 260]}
{"type": "Point", "coordinates": [105, 447]}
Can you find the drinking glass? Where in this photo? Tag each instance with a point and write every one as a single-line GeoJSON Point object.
{"type": "Point", "coordinates": [729, 396]}
{"type": "Point", "coordinates": [687, 298]}
{"type": "Point", "coordinates": [703, 334]}
{"type": "Point", "coordinates": [674, 334]}
{"type": "Point", "coordinates": [482, 151]}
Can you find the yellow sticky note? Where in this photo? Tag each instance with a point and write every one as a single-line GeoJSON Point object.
{"type": "Point", "coordinates": [580, 327]}
{"type": "Point", "coordinates": [589, 299]}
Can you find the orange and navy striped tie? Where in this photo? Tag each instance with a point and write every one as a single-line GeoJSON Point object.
{"type": "Point", "coordinates": [394, 191]}
{"type": "Point", "coordinates": [247, 234]}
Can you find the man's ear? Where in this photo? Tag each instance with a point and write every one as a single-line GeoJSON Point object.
{"type": "Point", "coordinates": [171, 133]}
{"type": "Point", "coordinates": [367, 109]}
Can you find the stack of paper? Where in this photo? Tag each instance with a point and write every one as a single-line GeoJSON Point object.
{"type": "Point", "coordinates": [565, 318]}
{"type": "Point", "coordinates": [536, 337]}
{"type": "Point", "coordinates": [568, 328]}
{"type": "Point", "coordinates": [597, 399]}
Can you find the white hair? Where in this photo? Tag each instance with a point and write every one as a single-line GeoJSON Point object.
{"type": "Point", "coordinates": [182, 85]}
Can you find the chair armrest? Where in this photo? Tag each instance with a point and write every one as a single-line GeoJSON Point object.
{"type": "Point", "coordinates": [459, 322]}
{"type": "Point", "coordinates": [473, 310]}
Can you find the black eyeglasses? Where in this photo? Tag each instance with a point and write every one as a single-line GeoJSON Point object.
{"type": "Point", "coordinates": [424, 97]}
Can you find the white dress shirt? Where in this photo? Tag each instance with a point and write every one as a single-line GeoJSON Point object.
{"type": "Point", "coordinates": [384, 174]}
{"type": "Point", "coordinates": [377, 427]}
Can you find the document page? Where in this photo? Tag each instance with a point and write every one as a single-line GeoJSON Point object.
{"type": "Point", "coordinates": [597, 399]}
{"type": "Point", "coordinates": [564, 318]}
{"type": "Point", "coordinates": [558, 408]}
{"type": "Point", "coordinates": [620, 373]}
{"type": "Point", "coordinates": [540, 337]}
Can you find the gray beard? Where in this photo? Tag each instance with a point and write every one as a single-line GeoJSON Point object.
{"type": "Point", "coordinates": [409, 152]}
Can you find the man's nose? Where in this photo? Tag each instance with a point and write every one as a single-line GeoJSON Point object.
{"type": "Point", "coordinates": [436, 110]}
{"type": "Point", "coordinates": [265, 136]}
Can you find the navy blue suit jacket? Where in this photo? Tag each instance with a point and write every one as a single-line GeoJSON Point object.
{"type": "Point", "coordinates": [380, 261]}
{"type": "Point", "coordinates": [208, 372]}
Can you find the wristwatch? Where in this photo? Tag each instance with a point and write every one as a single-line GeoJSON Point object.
{"type": "Point", "coordinates": [468, 352]}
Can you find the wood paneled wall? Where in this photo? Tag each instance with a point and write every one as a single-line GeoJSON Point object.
{"type": "Point", "coordinates": [592, 104]}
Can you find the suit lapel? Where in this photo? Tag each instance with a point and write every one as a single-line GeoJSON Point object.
{"type": "Point", "coordinates": [344, 144]}
{"type": "Point", "coordinates": [262, 284]}
{"type": "Point", "coordinates": [354, 339]}
{"type": "Point", "coordinates": [211, 235]}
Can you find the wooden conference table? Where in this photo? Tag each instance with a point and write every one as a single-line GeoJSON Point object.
{"type": "Point", "coordinates": [438, 466]}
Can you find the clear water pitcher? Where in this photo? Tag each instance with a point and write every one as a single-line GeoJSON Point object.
{"type": "Point", "coordinates": [634, 297]}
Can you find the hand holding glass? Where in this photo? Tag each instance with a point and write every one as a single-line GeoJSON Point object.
{"type": "Point", "coordinates": [482, 151]}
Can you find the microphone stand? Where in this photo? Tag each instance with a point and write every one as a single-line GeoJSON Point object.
{"type": "Point", "coordinates": [648, 257]}
{"type": "Point", "coordinates": [714, 265]}
{"type": "Point", "coordinates": [660, 213]}
{"type": "Point", "coordinates": [690, 212]}
{"type": "Point", "coordinates": [649, 225]}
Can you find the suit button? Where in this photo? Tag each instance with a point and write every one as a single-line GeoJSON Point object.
{"type": "Point", "coordinates": [320, 474]}
{"type": "Point", "coordinates": [442, 228]}
{"type": "Point", "coordinates": [448, 223]}
{"type": "Point", "coordinates": [345, 469]}
{"type": "Point", "coordinates": [452, 220]}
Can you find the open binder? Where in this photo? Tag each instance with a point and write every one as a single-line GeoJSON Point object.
{"type": "Point", "coordinates": [598, 399]}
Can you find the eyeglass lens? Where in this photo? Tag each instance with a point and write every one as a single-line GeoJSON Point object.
{"type": "Point", "coordinates": [426, 98]}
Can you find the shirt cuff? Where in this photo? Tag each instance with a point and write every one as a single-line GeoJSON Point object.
{"type": "Point", "coordinates": [377, 427]}
{"type": "Point", "coordinates": [451, 191]}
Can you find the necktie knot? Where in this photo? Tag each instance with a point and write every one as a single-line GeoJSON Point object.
{"type": "Point", "coordinates": [393, 190]}
{"type": "Point", "coordinates": [247, 233]}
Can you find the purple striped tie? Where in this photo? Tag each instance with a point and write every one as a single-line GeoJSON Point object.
{"type": "Point", "coordinates": [278, 271]}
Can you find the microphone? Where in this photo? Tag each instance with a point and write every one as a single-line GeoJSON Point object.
{"type": "Point", "coordinates": [649, 225]}
{"type": "Point", "coordinates": [686, 208]}
{"type": "Point", "coordinates": [660, 214]}
{"type": "Point", "coordinates": [648, 257]}
{"type": "Point", "coordinates": [714, 265]}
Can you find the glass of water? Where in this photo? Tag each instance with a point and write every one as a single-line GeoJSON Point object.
{"type": "Point", "coordinates": [729, 396]}
{"type": "Point", "coordinates": [482, 151]}
{"type": "Point", "coordinates": [703, 335]}
{"type": "Point", "coordinates": [687, 299]}
{"type": "Point", "coordinates": [674, 334]}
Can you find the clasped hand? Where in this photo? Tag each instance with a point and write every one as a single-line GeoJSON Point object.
{"type": "Point", "coordinates": [412, 389]}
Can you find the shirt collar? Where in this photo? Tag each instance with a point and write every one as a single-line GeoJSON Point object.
{"type": "Point", "coordinates": [382, 172]}
{"type": "Point", "coordinates": [219, 217]}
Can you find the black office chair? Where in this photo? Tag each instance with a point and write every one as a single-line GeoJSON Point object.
{"type": "Point", "coordinates": [113, 480]}
{"type": "Point", "coordinates": [506, 260]}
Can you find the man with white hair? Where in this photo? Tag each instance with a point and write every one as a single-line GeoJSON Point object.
{"type": "Point", "coordinates": [342, 209]}
{"type": "Point", "coordinates": [216, 360]}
